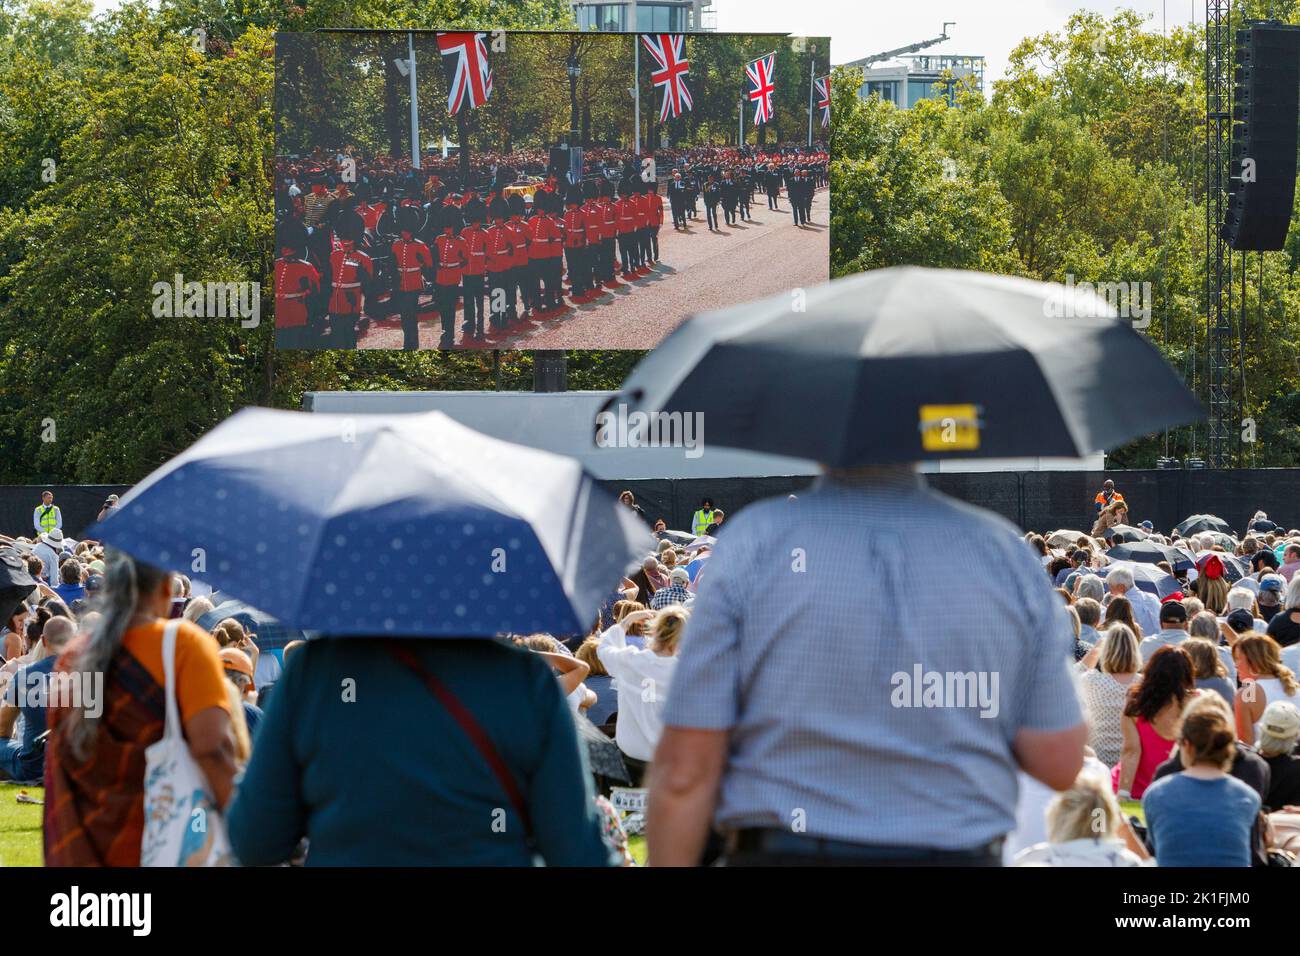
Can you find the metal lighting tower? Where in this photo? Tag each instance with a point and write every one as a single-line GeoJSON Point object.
{"type": "Point", "coordinates": [1220, 345]}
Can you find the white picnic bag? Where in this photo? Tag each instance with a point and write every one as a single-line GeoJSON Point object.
{"type": "Point", "coordinates": [182, 826]}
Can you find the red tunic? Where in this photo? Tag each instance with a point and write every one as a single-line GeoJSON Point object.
{"type": "Point", "coordinates": [500, 248]}
{"type": "Point", "coordinates": [410, 256]}
{"type": "Point", "coordinates": [451, 258]}
{"type": "Point", "coordinates": [626, 215]}
{"type": "Point", "coordinates": [521, 234]}
{"type": "Point", "coordinates": [594, 218]}
{"type": "Point", "coordinates": [346, 266]}
{"type": "Point", "coordinates": [575, 228]}
{"type": "Point", "coordinates": [475, 240]}
{"type": "Point", "coordinates": [546, 237]}
{"type": "Point", "coordinates": [290, 295]}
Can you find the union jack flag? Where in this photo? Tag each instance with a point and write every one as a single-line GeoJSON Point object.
{"type": "Point", "coordinates": [761, 74]}
{"type": "Point", "coordinates": [469, 74]}
{"type": "Point", "coordinates": [823, 87]}
{"type": "Point", "coordinates": [669, 52]}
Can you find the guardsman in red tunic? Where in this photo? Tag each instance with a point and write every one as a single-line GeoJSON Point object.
{"type": "Point", "coordinates": [350, 273]}
{"type": "Point", "coordinates": [500, 258]}
{"type": "Point", "coordinates": [626, 229]}
{"type": "Point", "coordinates": [544, 250]}
{"type": "Point", "coordinates": [410, 258]}
{"type": "Point", "coordinates": [608, 234]}
{"type": "Point", "coordinates": [522, 277]}
{"type": "Point", "coordinates": [296, 283]}
{"type": "Point", "coordinates": [594, 218]}
{"type": "Point", "coordinates": [474, 280]}
{"type": "Point", "coordinates": [451, 261]}
{"type": "Point", "coordinates": [575, 245]}
{"type": "Point", "coordinates": [656, 219]}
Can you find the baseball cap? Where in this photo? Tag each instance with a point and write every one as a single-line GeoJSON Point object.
{"type": "Point", "coordinates": [1173, 612]}
{"type": "Point", "coordinates": [681, 576]}
{"type": "Point", "coordinates": [1280, 719]}
{"type": "Point", "coordinates": [1272, 582]}
{"type": "Point", "coordinates": [1146, 525]}
{"type": "Point", "coordinates": [94, 583]}
{"type": "Point", "coordinates": [1241, 620]}
{"type": "Point", "coordinates": [233, 659]}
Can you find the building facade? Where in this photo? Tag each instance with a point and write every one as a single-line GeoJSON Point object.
{"type": "Point", "coordinates": [910, 79]}
{"type": "Point", "coordinates": [651, 16]}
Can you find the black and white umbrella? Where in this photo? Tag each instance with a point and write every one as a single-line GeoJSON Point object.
{"type": "Point", "coordinates": [912, 364]}
{"type": "Point", "coordinates": [1196, 524]}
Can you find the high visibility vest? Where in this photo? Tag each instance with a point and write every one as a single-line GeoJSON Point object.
{"type": "Point", "coordinates": [701, 521]}
{"type": "Point", "coordinates": [49, 519]}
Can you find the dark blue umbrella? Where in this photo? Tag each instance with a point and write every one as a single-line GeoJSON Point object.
{"type": "Point", "coordinates": [271, 634]}
{"type": "Point", "coordinates": [1195, 524]}
{"type": "Point", "coordinates": [404, 524]}
{"type": "Point", "coordinates": [1152, 552]}
{"type": "Point", "coordinates": [1147, 577]}
{"type": "Point", "coordinates": [1124, 533]}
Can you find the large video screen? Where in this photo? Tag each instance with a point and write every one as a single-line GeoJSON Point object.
{"type": "Point", "coordinates": [528, 190]}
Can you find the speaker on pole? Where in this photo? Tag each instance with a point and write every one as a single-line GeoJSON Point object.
{"type": "Point", "coordinates": [1266, 127]}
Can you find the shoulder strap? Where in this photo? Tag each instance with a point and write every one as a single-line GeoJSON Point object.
{"type": "Point", "coordinates": [473, 730]}
{"type": "Point", "coordinates": [173, 728]}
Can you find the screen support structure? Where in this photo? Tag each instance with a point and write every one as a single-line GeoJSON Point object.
{"type": "Point", "coordinates": [1220, 345]}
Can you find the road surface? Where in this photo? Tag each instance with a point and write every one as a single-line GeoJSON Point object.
{"type": "Point", "coordinates": [698, 270]}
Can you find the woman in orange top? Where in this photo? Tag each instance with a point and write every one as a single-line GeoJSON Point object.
{"type": "Point", "coordinates": [95, 763]}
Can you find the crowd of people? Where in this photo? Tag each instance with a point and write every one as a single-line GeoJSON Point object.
{"type": "Point", "coordinates": [1175, 690]}
{"type": "Point", "coordinates": [362, 238]}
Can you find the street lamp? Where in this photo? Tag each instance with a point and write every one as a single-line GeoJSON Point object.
{"type": "Point", "coordinates": [575, 71]}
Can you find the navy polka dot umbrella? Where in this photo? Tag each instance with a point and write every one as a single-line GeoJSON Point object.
{"type": "Point", "coordinates": [389, 525]}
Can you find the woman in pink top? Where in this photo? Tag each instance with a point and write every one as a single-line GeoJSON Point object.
{"type": "Point", "coordinates": [1151, 719]}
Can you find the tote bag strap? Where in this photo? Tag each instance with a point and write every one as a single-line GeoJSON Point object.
{"type": "Point", "coordinates": [173, 728]}
{"type": "Point", "coordinates": [472, 729]}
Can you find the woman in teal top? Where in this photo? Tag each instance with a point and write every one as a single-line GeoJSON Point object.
{"type": "Point", "coordinates": [356, 754]}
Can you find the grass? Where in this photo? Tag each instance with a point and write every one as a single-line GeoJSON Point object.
{"type": "Point", "coordinates": [20, 827]}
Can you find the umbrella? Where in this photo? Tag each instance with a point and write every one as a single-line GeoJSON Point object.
{"type": "Point", "coordinates": [404, 524]}
{"type": "Point", "coordinates": [271, 634]}
{"type": "Point", "coordinates": [1123, 532]}
{"type": "Point", "coordinates": [1147, 577]}
{"type": "Point", "coordinates": [15, 583]}
{"type": "Point", "coordinates": [1151, 552]}
{"type": "Point", "coordinates": [703, 541]}
{"type": "Point", "coordinates": [676, 537]}
{"type": "Point", "coordinates": [1065, 538]}
{"type": "Point", "coordinates": [1234, 569]}
{"type": "Point", "coordinates": [1195, 524]}
{"type": "Point", "coordinates": [603, 754]}
{"type": "Point", "coordinates": [909, 364]}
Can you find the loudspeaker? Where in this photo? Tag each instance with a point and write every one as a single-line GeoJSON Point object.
{"type": "Point", "coordinates": [559, 159]}
{"type": "Point", "coordinates": [1266, 129]}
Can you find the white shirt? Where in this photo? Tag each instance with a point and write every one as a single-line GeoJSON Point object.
{"type": "Point", "coordinates": [1031, 809]}
{"type": "Point", "coordinates": [1174, 636]}
{"type": "Point", "coordinates": [1146, 609]}
{"type": "Point", "coordinates": [1084, 852]}
{"type": "Point", "coordinates": [642, 679]}
{"type": "Point", "coordinates": [36, 518]}
{"type": "Point", "coordinates": [50, 558]}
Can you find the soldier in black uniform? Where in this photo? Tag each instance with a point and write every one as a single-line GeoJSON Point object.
{"type": "Point", "coordinates": [712, 196]}
{"type": "Point", "coordinates": [677, 199]}
{"type": "Point", "coordinates": [772, 179]}
{"type": "Point", "coordinates": [745, 191]}
{"type": "Point", "coordinates": [730, 196]}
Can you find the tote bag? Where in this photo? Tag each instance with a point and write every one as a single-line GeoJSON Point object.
{"type": "Point", "coordinates": [182, 826]}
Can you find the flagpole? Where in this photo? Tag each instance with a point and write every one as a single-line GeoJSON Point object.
{"type": "Point", "coordinates": [415, 106]}
{"type": "Point", "coordinates": [636, 84]}
{"type": "Point", "coordinates": [812, 82]}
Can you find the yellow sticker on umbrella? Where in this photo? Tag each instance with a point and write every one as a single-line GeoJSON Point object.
{"type": "Point", "coordinates": [950, 427]}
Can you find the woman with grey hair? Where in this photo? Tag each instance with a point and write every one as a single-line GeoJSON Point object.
{"type": "Point", "coordinates": [94, 799]}
{"type": "Point", "coordinates": [1279, 729]}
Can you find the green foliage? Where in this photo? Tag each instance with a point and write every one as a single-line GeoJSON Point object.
{"type": "Point", "coordinates": [1085, 162]}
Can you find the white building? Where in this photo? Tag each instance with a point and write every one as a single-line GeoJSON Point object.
{"type": "Point", "coordinates": [651, 16]}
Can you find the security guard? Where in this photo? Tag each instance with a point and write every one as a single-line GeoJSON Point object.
{"type": "Point", "coordinates": [703, 517]}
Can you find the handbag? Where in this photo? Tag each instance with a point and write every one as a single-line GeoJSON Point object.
{"type": "Point", "coordinates": [182, 826]}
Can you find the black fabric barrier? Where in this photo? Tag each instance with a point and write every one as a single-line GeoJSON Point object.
{"type": "Point", "coordinates": [1038, 500]}
{"type": "Point", "coordinates": [80, 505]}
